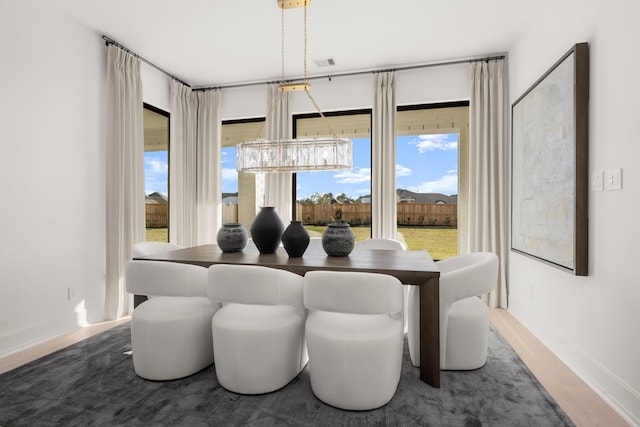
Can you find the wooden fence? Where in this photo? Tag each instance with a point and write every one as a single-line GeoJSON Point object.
{"type": "Point", "coordinates": [157, 217]}
{"type": "Point", "coordinates": [156, 214]}
{"type": "Point", "coordinates": [354, 214]}
{"type": "Point", "coordinates": [360, 214]}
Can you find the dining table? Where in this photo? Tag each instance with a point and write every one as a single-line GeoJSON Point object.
{"type": "Point", "coordinates": [411, 267]}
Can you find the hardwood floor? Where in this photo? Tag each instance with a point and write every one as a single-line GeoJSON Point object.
{"type": "Point", "coordinates": [18, 359]}
{"type": "Point", "coordinates": [580, 403]}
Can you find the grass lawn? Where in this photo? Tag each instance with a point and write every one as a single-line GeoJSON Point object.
{"type": "Point", "coordinates": [441, 242]}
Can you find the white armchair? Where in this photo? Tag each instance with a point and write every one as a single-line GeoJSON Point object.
{"type": "Point", "coordinates": [170, 333]}
{"type": "Point", "coordinates": [141, 249]}
{"type": "Point", "coordinates": [464, 318]}
{"type": "Point", "coordinates": [354, 336]}
{"type": "Point", "coordinates": [258, 334]}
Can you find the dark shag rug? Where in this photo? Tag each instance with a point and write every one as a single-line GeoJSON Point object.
{"type": "Point", "coordinates": [92, 383]}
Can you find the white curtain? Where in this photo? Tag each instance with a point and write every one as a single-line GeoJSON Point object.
{"type": "Point", "coordinates": [383, 158]}
{"type": "Point", "coordinates": [124, 140]}
{"type": "Point", "coordinates": [182, 166]}
{"type": "Point", "coordinates": [487, 168]}
{"type": "Point", "coordinates": [208, 171]}
{"type": "Point", "coordinates": [278, 186]}
{"type": "Point", "coordinates": [195, 180]}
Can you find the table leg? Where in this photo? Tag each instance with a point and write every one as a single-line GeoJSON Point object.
{"type": "Point", "coordinates": [430, 332]}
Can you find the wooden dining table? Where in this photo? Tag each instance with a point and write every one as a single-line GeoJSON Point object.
{"type": "Point", "coordinates": [410, 267]}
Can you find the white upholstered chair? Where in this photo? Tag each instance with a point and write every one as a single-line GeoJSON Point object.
{"type": "Point", "coordinates": [258, 333]}
{"type": "Point", "coordinates": [354, 337]}
{"type": "Point", "coordinates": [170, 333]}
{"type": "Point", "coordinates": [464, 318]}
{"type": "Point", "coordinates": [141, 249]}
{"type": "Point", "coordinates": [392, 245]}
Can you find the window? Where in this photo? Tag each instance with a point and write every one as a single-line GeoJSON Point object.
{"type": "Point", "coordinates": [331, 196]}
{"type": "Point", "coordinates": [242, 193]}
{"type": "Point", "coordinates": [430, 175]}
{"type": "Point", "coordinates": [156, 173]}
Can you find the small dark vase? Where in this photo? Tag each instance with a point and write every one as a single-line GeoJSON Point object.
{"type": "Point", "coordinates": [295, 239]}
{"type": "Point", "coordinates": [232, 237]}
{"type": "Point", "coordinates": [266, 230]}
{"type": "Point", "coordinates": [338, 239]}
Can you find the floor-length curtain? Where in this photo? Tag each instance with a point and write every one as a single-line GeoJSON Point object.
{"type": "Point", "coordinates": [124, 140]}
{"type": "Point", "coordinates": [383, 158]}
{"type": "Point", "coordinates": [182, 166]}
{"type": "Point", "coordinates": [208, 171]}
{"type": "Point", "coordinates": [487, 168]}
{"type": "Point", "coordinates": [278, 186]}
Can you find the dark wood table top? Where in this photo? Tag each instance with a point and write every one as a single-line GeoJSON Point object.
{"type": "Point", "coordinates": [410, 267]}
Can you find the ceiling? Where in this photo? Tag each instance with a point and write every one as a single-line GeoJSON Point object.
{"type": "Point", "coordinates": [222, 42]}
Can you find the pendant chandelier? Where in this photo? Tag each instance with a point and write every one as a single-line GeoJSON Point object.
{"type": "Point", "coordinates": [295, 155]}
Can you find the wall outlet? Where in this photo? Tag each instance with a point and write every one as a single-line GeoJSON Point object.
{"type": "Point", "coordinates": [71, 294]}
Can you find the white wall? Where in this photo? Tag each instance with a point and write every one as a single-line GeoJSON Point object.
{"type": "Point", "coordinates": [420, 86]}
{"type": "Point", "coordinates": [52, 174]}
{"type": "Point", "coordinates": [592, 322]}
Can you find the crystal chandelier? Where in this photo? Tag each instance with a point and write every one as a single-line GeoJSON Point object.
{"type": "Point", "coordinates": [295, 155]}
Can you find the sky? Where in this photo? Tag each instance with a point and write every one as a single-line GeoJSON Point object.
{"type": "Point", "coordinates": [424, 164]}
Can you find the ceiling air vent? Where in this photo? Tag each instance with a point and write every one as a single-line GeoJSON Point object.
{"type": "Point", "coordinates": [325, 62]}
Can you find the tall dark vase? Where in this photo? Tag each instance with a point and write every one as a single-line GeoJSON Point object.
{"type": "Point", "coordinates": [338, 239]}
{"type": "Point", "coordinates": [295, 239]}
{"type": "Point", "coordinates": [266, 230]}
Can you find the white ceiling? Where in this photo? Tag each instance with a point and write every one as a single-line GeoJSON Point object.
{"type": "Point", "coordinates": [218, 42]}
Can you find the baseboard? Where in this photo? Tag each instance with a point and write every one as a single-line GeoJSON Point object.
{"type": "Point", "coordinates": [20, 339]}
{"type": "Point", "coordinates": [614, 391]}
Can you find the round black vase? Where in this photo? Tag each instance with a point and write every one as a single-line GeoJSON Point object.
{"type": "Point", "coordinates": [232, 237]}
{"type": "Point", "coordinates": [338, 239]}
{"type": "Point", "coordinates": [295, 239]}
{"type": "Point", "coordinates": [266, 230]}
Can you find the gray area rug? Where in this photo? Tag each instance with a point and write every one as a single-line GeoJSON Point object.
{"type": "Point", "coordinates": [92, 383]}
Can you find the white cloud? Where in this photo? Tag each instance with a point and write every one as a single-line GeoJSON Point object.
{"type": "Point", "coordinates": [438, 142]}
{"type": "Point", "coordinates": [229, 174]}
{"type": "Point", "coordinates": [447, 184]}
{"type": "Point", "coordinates": [354, 177]}
{"type": "Point", "coordinates": [155, 165]}
{"type": "Point", "coordinates": [403, 170]}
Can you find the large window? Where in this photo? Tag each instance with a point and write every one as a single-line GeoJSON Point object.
{"type": "Point", "coordinates": [156, 173]}
{"type": "Point", "coordinates": [330, 196]}
{"type": "Point", "coordinates": [242, 193]}
{"type": "Point", "coordinates": [430, 175]}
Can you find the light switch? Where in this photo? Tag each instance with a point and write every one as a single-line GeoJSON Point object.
{"type": "Point", "coordinates": [613, 179]}
{"type": "Point", "coordinates": [596, 181]}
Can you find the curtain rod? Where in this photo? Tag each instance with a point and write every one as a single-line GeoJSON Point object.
{"type": "Point", "coordinates": [357, 73]}
{"type": "Point", "coordinates": [109, 41]}
{"type": "Point", "coordinates": [328, 76]}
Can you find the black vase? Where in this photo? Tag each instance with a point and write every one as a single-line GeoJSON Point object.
{"type": "Point", "coordinates": [266, 230]}
{"type": "Point", "coordinates": [232, 237]}
{"type": "Point", "coordinates": [338, 239]}
{"type": "Point", "coordinates": [295, 239]}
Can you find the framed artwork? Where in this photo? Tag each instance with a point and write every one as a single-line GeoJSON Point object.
{"type": "Point", "coordinates": [549, 168]}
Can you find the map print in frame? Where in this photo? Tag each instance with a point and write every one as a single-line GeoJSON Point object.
{"type": "Point", "coordinates": [549, 203]}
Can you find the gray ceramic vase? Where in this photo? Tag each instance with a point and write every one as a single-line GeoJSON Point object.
{"type": "Point", "coordinates": [338, 239]}
{"type": "Point", "coordinates": [232, 237]}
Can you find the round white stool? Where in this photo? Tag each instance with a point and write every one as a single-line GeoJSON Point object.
{"type": "Point", "coordinates": [171, 337]}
